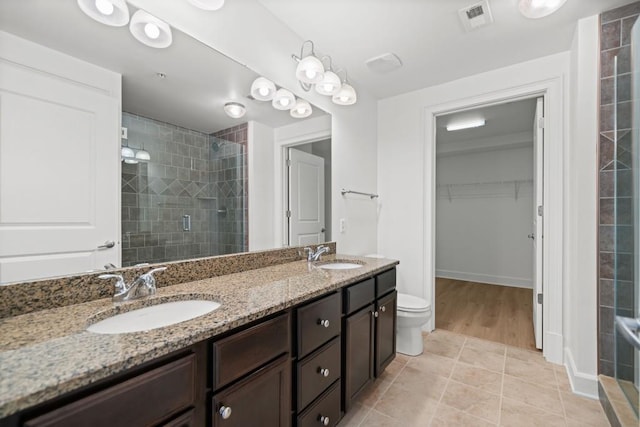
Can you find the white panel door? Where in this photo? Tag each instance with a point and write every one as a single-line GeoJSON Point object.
{"type": "Point", "coordinates": [59, 175]}
{"type": "Point", "coordinates": [306, 198]}
{"type": "Point", "coordinates": [537, 237]}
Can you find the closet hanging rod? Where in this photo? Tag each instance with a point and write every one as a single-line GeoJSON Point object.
{"type": "Point", "coordinates": [343, 191]}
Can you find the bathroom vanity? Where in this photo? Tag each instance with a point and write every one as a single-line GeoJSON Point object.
{"type": "Point", "coordinates": [285, 348]}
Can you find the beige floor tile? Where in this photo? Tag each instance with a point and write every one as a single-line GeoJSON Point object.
{"type": "Point", "coordinates": [531, 371]}
{"type": "Point", "coordinates": [432, 364]}
{"type": "Point", "coordinates": [584, 410]}
{"type": "Point", "coordinates": [526, 355]}
{"type": "Point", "coordinates": [354, 417]}
{"type": "Point", "coordinates": [376, 419]}
{"type": "Point", "coordinates": [392, 370]}
{"type": "Point", "coordinates": [447, 416]}
{"type": "Point", "coordinates": [562, 379]}
{"type": "Point", "coordinates": [407, 408]}
{"type": "Point", "coordinates": [478, 377]}
{"type": "Point", "coordinates": [416, 381]}
{"type": "Point", "coordinates": [472, 401]}
{"type": "Point", "coordinates": [485, 346]}
{"type": "Point", "coordinates": [483, 359]}
{"type": "Point", "coordinates": [372, 393]}
{"type": "Point", "coordinates": [518, 414]}
{"type": "Point", "coordinates": [443, 344]}
{"type": "Point", "coordinates": [547, 399]}
{"type": "Point", "coordinates": [402, 358]}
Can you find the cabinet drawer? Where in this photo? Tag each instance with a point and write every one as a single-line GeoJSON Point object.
{"type": "Point", "coordinates": [318, 322]}
{"type": "Point", "coordinates": [385, 282]}
{"type": "Point", "coordinates": [317, 372]}
{"type": "Point", "coordinates": [327, 406]}
{"type": "Point", "coordinates": [144, 400]}
{"type": "Point", "coordinates": [247, 350]}
{"type": "Point", "coordinates": [359, 295]}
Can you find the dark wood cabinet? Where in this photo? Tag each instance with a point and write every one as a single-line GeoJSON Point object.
{"type": "Point", "coordinates": [385, 342]}
{"type": "Point", "coordinates": [358, 353]}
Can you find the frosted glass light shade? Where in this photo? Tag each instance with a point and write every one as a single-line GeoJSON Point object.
{"type": "Point", "coordinates": [263, 89]}
{"type": "Point", "coordinates": [330, 84]}
{"type": "Point", "coordinates": [346, 96]}
{"type": "Point", "coordinates": [535, 9]}
{"type": "Point", "coordinates": [310, 70]}
{"type": "Point", "coordinates": [283, 100]}
{"type": "Point", "coordinates": [149, 30]}
{"type": "Point", "coordinates": [207, 4]}
{"type": "Point", "coordinates": [127, 153]}
{"type": "Point", "coordinates": [301, 110]}
{"type": "Point", "coordinates": [143, 155]}
{"type": "Point", "coordinates": [234, 109]}
{"type": "Point", "coordinates": [109, 12]}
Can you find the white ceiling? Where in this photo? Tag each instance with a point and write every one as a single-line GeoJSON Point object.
{"type": "Point", "coordinates": [428, 36]}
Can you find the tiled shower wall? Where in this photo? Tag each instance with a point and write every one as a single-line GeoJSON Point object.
{"type": "Point", "coordinates": [615, 41]}
{"type": "Point", "coordinates": [182, 178]}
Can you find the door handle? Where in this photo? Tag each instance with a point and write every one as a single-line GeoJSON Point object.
{"type": "Point", "coordinates": [107, 245]}
{"type": "Point", "coordinates": [532, 236]}
{"type": "Point", "coordinates": [323, 230]}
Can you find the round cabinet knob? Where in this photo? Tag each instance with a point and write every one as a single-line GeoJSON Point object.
{"type": "Point", "coordinates": [374, 314]}
{"type": "Point", "coordinates": [225, 412]}
{"type": "Point", "coordinates": [383, 309]}
{"type": "Point", "coordinates": [323, 420]}
{"type": "Point", "coordinates": [323, 322]}
{"type": "Point", "coordinates": [324, 372]}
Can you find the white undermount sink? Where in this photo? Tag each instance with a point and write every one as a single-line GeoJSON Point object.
{"type": "Point", "coordinates": [154, 316]}
{"type": "Point", "coordinates": [340, 266]}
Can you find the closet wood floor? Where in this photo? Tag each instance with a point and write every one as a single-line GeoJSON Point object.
{"type": "Point", "coordinates": [496, 313]}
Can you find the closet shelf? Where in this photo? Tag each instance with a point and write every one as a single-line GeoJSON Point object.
{"type": "Point", "coordinates": [487, 189]}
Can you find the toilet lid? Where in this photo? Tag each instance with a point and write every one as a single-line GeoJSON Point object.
{"type": "Point", "coordinates": [411, 303]}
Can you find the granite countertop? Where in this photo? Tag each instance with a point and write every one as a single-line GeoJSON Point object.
{"type": "Point", "coordinates": [46, 353]}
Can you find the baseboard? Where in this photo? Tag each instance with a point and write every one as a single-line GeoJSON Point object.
{"type": "Point", "coordinates": [583, 384]}
{"type": "Point", "coordinates": [516, 282]}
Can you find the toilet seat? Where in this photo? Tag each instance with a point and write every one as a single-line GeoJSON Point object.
{"type": "Point", "coordinates": [410, 303]}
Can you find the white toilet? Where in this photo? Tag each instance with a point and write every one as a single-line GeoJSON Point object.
{"type": "Point", "coordinates": [413, 313]}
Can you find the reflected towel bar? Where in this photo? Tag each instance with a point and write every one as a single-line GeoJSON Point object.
{"type": "Point", "coordinates": [343, 191]}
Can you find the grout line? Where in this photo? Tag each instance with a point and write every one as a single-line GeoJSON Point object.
{"type": "Point", "coordinates": [504, 368]}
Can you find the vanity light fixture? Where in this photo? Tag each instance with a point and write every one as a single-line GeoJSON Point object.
{"type": "Point", "coordinates": [535, 9]}
{"type": "Point", "coordinates": [109, 12]}
{"type": "Point", "coordinates": [150, 30]}
{"type": "Point", "coordinates": [346, 95]}
{"type": "Point", "coordinates": [301, 109]}
{"type": "Point", "coordinates": [330, 84]}
{"type": "Point", "coordinates": [234, 110]}
{"type": "Point", "coordinates": [128, 155]}
{"type": "Point", "coordinates": [263, 89]}
{"type": "Point", "coordinates": [207, 4]}
{"type": "Point", "coordinates": [283, 100]}
{"type": "Point", "coordinates": [310, 69]}
{"type": "Point", "coordinates": [143, 155]}
{"type": "Point", "coordinates": [467, 124]}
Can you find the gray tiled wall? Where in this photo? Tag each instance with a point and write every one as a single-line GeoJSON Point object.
{"type": "Point", "coordinates": [185, 176]}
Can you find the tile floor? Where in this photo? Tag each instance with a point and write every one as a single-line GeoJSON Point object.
{"type": "Point", "coordinates": [465, 381]}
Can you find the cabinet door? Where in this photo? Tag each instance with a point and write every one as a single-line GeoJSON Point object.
{"type": "Point", "coordinates": [385, 331]}
{"type": "Point", "coordinates": [358, 345]}
{"type": "Point", "coordinates": [261, 399]}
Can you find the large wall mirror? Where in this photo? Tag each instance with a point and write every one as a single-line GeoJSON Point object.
{"type": "Point", "coordinates": [186, 193]}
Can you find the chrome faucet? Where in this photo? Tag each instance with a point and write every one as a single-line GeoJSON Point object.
{"type": "Point", "coordinates": [143, 286]}
{"type": "Point", "coordinates": [315, 256]}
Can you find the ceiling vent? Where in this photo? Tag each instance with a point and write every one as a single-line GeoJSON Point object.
{"type": "Point", "coordinates": [384, 63]}
{"type": "Point", "coordinates": [475, 16]}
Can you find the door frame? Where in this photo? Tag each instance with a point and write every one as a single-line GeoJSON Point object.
{"type": "Point", "coordinates": [551, 91]}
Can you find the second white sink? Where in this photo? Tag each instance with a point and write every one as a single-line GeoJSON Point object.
{"type": "Point", "coordinates": [152, 317]}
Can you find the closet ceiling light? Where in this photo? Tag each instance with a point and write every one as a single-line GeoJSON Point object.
{"type": "Point", "coordinates": [467, 124]}
{"type": "Point", "coordinates": [263, 89]}
{"type": "Point", "coordinates": [149, 30]}
{"type": "Point", "coordinates": [109, 12]}
{"type": "Point", "coordinates": [345, 96]}
{"type": "Point", "coordinates": [539, 8]}
{"type": "Point", "coordinates": [283, 100]}
{"type": "Point", "coordinates": [301, 110]}
{"type": "Point", "coordinates": [207, 4]}
{"type": "Point", "coordinates": [234, 110]}
{"type": "Point", "coordinates": [330, 84]}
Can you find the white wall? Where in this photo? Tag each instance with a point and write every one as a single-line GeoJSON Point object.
{"type": "Point", "coordinates": [481, 233]}
{"type": "Point", "coordinates": [581, 257]}
{"type": "Point", "coordinates": [261, 186]}
{"type": "Point", "coordinates": [249, 33]}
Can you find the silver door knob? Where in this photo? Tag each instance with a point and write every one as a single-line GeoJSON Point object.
{"type": "Point", "coordinates": [323, 230]}
{"type": "Point", "coordinates": [323, 420]}
{"type": "Point", "coordinates": [532, 236]}
{"type": "Point", "coordinates": [107, 245]}
{"type": "Point", "coordinates": [324, 372]}
{"type": "Point", "coordinates": [225, 412]}
{"type": "Point", "coordinates": [383, 309]}
{"type": "Point", "coordinates": [323, 322]}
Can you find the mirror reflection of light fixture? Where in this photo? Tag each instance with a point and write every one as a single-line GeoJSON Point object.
{"type": "Point", "coordinates": [283, 100]}
{"type": "Point", "coordinates": [207, 4]}
{"type": "Point", "coordinates": [143, 155]}
{"type": "Point", "coordinates": [109, 12]}
{"type": "Point", "coordinates": [301, 109]}
{"type": "Point", "coordinates": [465, 124]}
{"type": "Point", "coordinates": [263, 89]}
{"type": "Point", "coordinates": [234, 110]}
{"type": "Point", "coordinates": [535, 9]}
{"type": "Point", "coordinates": [149, 30]}
{"type": "Point", "coordinates": [128, 155]}
{"type": "Point", "coordinates": [310, 69]}
{"type": "Point", "coordinates": [330, 84]}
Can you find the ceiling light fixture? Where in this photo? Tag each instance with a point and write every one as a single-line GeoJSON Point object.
{"type": "Point", "coordinates": [330, 84]}
{"type": "Point", "coordinates": [535, 9]}
{"type": "Point", "coordinates": [467, 124]}
{"type": "Point", "coordinates": [310, 69]}
{"type": "Point", "coordinates": [109, 12]}
{"type": "Point", "coordinates": [207, 4]}
{"type": "Point", "coordinates": [346, 95]}
{"type": "Point", "coordinates": [234, 110]}
{"type": "Point", "coordinates": [301, 109]}
{"type": "Point", "coordinates": [263, 89]}
{"type": "Point", "coordinates": [283, 100]}
{"type": "Point", "coordinates": [149, 30]}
